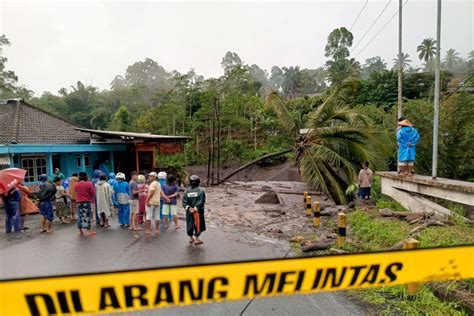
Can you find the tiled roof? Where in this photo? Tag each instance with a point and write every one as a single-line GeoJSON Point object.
{"type": "Point", "coordinates": [22, 123]}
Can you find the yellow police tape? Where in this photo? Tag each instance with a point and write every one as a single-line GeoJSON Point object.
{"type": "Point", "coordinates": [155, 288]}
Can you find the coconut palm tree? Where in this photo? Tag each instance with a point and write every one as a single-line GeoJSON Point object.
{"type": "Point", "coordinates": [338, 139]}
{"type": "Point", "coordinates": [404, 60]}
{"type": "Point", "coordinates": [427, 51]}
{"type": "Point", "coordinates": [452, 57]}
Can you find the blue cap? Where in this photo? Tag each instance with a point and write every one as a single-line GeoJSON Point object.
{"type": "Point", "coordinates": [42, 177]}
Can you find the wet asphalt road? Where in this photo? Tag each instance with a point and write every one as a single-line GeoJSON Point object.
{"type": "Point", "coordinates": [63, 252]}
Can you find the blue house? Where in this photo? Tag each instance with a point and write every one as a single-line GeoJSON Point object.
{"type": "Point", "coordinates": [38, 142]}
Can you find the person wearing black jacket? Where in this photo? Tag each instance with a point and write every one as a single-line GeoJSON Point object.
{"type": "Point", "coordinates": [46, 197]}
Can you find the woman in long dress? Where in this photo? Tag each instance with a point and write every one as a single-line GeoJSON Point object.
{"type": "Point", "coordinates": [60, 203]}
{"type": "Point", "coordinates": [104, 193]}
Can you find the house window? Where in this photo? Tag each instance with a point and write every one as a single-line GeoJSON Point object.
{"type": "Point", "coordinates": [87, 160]}
{"type": "Point", "coordinates": [34, 167]}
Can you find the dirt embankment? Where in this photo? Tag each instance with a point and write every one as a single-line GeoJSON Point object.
{"type": "Point", "coordinates": [284, 172]}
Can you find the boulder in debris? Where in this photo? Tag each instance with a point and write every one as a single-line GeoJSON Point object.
{"type": "Point", "coordinates": [270, 197]}
{"type": "Point", "coordinates": [297, 239]}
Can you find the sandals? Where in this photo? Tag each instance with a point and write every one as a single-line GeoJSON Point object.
{"type": "Point", "coordinates": [191, 240]}
{"type": "Point", "coordinates": [198, 242]}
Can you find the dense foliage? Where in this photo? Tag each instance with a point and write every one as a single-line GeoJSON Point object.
{"type": "Point", "coordinates": [150, 98]}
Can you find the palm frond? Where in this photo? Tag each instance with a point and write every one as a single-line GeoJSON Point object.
{"type": "Point", "coordinates": [277, 104]}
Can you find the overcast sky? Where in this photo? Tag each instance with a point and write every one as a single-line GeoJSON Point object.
{"type": "Point", "coordinates": [56, 43]}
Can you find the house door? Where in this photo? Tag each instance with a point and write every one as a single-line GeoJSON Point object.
{"type": "Point", "coordinates": [145, 161]}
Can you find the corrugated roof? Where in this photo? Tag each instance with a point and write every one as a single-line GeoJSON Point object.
{"type": "Point", "coordinates": [22, 123]}
{"type": "Point", "coordinates": [130, 135]}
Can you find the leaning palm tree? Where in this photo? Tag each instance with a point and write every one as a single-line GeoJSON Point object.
{"type": "Point", "coordinates": [338, 139]}
{"type": "Point", "coordinates": [427, 50]}
{"type": "Point", "coordinates": [405, 60]}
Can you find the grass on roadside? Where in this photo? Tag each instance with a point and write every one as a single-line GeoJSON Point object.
{"type": "Point", "coordinates": [394, 300]}
{"type": "Point", "coordinates": [369, 232]}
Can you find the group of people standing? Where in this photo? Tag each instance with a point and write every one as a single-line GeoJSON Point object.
{"type": "Point", "coordinates": [151, 200]}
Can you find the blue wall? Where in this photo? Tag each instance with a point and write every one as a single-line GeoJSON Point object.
{"type": "Point", "coordinates": [68, 163]}
{"type": "Point", "coordinates": [66, 153]}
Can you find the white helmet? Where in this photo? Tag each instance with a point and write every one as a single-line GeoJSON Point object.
{"type": "Point", "coordinates": [162, 175]}
{"type": "Point", "coordinates": [120, 175]}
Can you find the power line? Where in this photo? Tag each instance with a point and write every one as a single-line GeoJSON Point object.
{"type": "Point", "coordinates": [358, 16]}
{"type": "Point", "coordinates": [372, 25]}
{"type": "Point", "coordinates": [383, 27]}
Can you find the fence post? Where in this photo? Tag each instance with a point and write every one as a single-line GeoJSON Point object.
{"type": "Point", "coordinates": [308, 205]}
{"type": "Point", "coordinates": [411, 243]}
{"type": "Point", "coordinates": [341, 230]}
{"type": "Point", "coordinates": [304, 200]}
{"type": "Point", "coordinates": [316, 218]}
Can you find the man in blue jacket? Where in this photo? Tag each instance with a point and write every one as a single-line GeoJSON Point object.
{"type": "Point", "coordinates": [407, 138]}
{"type": "Point", "coordinates": [11, 204]}
{"type": "Point", "coordinates": [121, 198]}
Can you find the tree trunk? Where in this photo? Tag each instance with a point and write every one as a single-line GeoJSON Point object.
{"type": "Point", "coordinates": [319, 245]}
{"type": "Point", "coordinates": [279, 153]}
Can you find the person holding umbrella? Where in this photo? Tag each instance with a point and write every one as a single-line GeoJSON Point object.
{"type": "Point", "coordinates": [10, 178]}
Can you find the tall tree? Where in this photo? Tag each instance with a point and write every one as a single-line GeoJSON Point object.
{"type": "Point", "coordinates": [292, 81]}
{"type": "Point", "coordinates": [8, 78]}
{"type": "Point", "coordinates": [337, 47]}
{"type": "Point", "coordinates": [277, 77]}
{"type": "Point", "coordinates": [427, 51]}
{"type": "Point", "coordinates": [147, 73]}
{"type": "Point", "coordinates": [373, 64]}
{"type": "Point", "coordinates": [451, 59]}
{"type": "Point", "coordinates": [230, 61]}
{"type": "Point", "coordinates": [121, 120]}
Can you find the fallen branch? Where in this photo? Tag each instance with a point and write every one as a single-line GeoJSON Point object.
{"type": "Point", "coordinates": [337, 251]}
{"type": "Point", "coordinates": [319, 245]}
{"type": "Point", "coordinates": [397, 246]}
{"type": "Point", "coordinates": [427, 224]}
{"type": "Point", "coordinates": [445, 293]}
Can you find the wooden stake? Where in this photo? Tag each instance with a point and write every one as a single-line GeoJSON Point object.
{"type": "Point", "coordinates": [341, 230]}
{"type": "Point", "coordinates": [304, 199]}
{"type": "Point", "coordinates": [411, 243]}
{"type": "Point", "coordinates": [316, 219]}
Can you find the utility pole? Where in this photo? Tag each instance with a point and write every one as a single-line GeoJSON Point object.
{"type": "Point", "coordinates": [436, 96]}
{"type": "Point", "coordinates": [400, 69]}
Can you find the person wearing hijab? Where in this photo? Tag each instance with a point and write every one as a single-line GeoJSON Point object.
{"type": "Point", "coordinates": [72, 194]}
{"type": "Point", "coordinates": [85, 193]}
{"type": "Point", "coordinates": [407, 138]}
{"type": "Point", "coordinates": [26, 205]}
